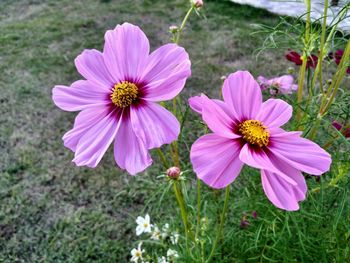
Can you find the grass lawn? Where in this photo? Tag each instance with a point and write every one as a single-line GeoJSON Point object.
{"type": "Point", "coordinates": [53, 211]}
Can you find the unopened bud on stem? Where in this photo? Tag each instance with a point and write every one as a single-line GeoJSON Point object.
{"type": "Point", "coordinates": [173, 172]}
{"type": "Point", "coordinates": [197, 3]}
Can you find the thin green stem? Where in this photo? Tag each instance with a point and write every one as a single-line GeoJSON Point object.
{"type": "Point", "coordinates": [174, 145]}
{"type": "Point", "coordinates": [181, 203]}
{"type": "Point", "coordinates": [221, 225]}
{"type": "Point", "coordinates": [305, 57]}
{"type": "Point", "coordinates": [198, 208]}
{"type": "Point", "coordinates": [342, 68]}
{"type": "Point", "coordinates": [177, 40]}
{"type": "Point", "coordinates": [175, 153]}
{"type": "Point", "coordinates": [162, 158]}
{"type": "Point", "coordinates": [301, 86]}
{"type": "Point", "coordinates": [318, 69]}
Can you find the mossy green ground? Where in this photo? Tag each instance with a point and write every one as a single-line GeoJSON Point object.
{"type": "Point", "coordinates": [52, 211]}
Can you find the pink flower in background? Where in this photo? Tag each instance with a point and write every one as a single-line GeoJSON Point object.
{"type": "Point", "coordinates": [118, 99]}
{"type": "Point", "coordinates": [247, 131]}
{"type": "Point", "coordinates": [297, 59]}
{"type": "Point", "coordinates": [284, 84]}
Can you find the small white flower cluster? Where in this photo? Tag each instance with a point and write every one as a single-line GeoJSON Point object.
{"type": "Point", "coordinates": [164, 234]}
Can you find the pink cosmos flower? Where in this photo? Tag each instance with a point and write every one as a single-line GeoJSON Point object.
{"type": "Point", "coordinates": [118, 99]}
{"type": "Point", "coordinates": [284, 84]}
{"type": "Point", "coordinates": [247, 131]}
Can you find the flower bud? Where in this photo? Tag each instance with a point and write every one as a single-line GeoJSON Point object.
{"type": "Point", "coordinates": [254, 214]}
{"type": "Point", "coordinates": [173, 172]}
{"type": "Point", "coordinates": [173, 29]}
{"type": "Point", "coordinates": [198, 3]}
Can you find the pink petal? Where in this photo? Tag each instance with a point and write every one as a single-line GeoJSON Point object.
{"type": "Point", "coordinates": [281, 193]}
{"type": "Point", "coordinates": [286, 84]}
{"type": "Point", "coordinates": [275, 113]}
{"type": "Point", "coordinates": [196, 104]}
{"type": "Point", "coordinates": [130, 152]}
{"type": "Point", "coordinates": [215, 160]}
{"type": "Point", "coordinates": [95, 142]}
{"type": "Point", "coordinates": [166, 72]}
{"type": "Point", "coordinates": [125, 52]}
{"type": "Point", "coordinates": [153, 124]}
{"type": "Point", "coordinates": [300, 153]}
{"type": "Point", "coordinates": [258, 158]}
{"type": "Point", "coordinates": [243, 94]}
{"type": "Point", "coordinates": [85, 120]}
{"type": "Point", "coordinates": [91, 66]}
{"type": "Point", "coordinates": [80, 95]}
{"type": "Point", "coordinates": [217, 119]}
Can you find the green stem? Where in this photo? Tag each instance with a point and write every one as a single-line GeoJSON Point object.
{"type": "Point", "coordinates": [318, 69]}
{"type": "Point", "coordinates": [303, 66]}
{"type": "Point", "coordinates": [162, 158]}
{"type": "Point", "coordinates": [181, 203]}
{"type": "Point", "coordinates": [221, 225]}
{"type": "Point", "coordinates": [177, 40]}
{"type": "Point", "coordinates": [340, 74]}
{"type": "Point", "coordinates": [198, 208]}
{"type": "Point", "coordinates": [174, 145]}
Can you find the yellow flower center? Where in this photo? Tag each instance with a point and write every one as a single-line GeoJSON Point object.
{"type": "Point", "coordinates": [145, 225]}
{"type": "Point", "coordinates": [254, 132]}
{"type": "Point", "coordinates": [124, 94]}
{"type": "Point", "coordinates": [138, 254]}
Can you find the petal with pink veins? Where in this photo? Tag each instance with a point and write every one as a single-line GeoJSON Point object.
{"type": "Point", "coordinates": [300, 153]}
{"type": "Point", "coordinates": [130, 152]}
{"type": "Point", "coordinates": [85, 120]}
{"type": "Point", "coordinates": [281, 193]}
{"type": "Point", "coordinates": [215, 160]}
{"type": "Point", "coordinates": [82, 94]}
{"type": "Point", "coordinates": [217, 119]}
{"type": "Point", "coordinates": [95, 142]}
{"type": "Point", "coordinates": [153, 124]}
{"type": "Point", "coordinates": [258, 158]}
{"type": "Point", "coordinates": [196, 104]}
{"type": "Point", "coordinates": [90, 65]}
{"type": "Point", "coordinates": [166, 72]}
{"type": "Point", "coordinates": [243, 94]}
{"type": "Point", "coordinates": [275, 113]}
{"type": "Point", "coordinates": [125, 52]}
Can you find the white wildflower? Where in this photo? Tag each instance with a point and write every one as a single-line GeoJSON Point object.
{"type": "Point", "coordinates": [143, 225]}
{"type": "Point", "coordinates": [136, 253]}
{"type": "Point", "coordinates": [156, 233]}
{"type": "Point", "coordinates": [174, 238]}
{"type": "Point", "coordinates": [171, 253]}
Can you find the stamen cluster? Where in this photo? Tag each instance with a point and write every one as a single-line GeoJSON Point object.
{"type": "Point", "coordinates": [254, 132]}
{"type": "Point", "coordinates": [124, 94]}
